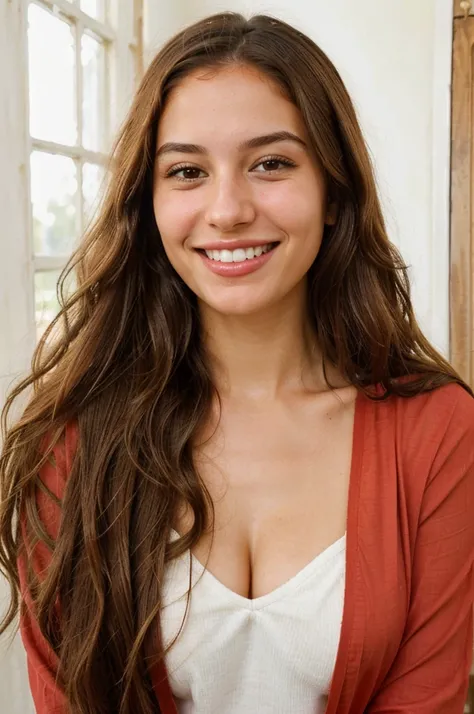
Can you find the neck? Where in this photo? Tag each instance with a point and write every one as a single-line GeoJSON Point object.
{"type": "Point", "coordinates": [265, 354]}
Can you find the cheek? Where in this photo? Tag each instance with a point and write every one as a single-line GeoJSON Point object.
{"type": "Point", "coordinates": [297, 210]}
{"type": "Point", "coordinates": [175, 216]}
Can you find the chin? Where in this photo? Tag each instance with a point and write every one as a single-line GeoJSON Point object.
{"type": "Point", "coordinates": [236, 305]}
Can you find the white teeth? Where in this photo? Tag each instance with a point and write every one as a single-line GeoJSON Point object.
{"type": "Point", "coordinates": [238, 255]}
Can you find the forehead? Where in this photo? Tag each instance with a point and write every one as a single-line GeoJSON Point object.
{"type": "Point", "coordinates": [227, 105]}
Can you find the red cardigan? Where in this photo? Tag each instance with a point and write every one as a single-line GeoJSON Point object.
{"type": "Point", "coordinates": [406, 639]}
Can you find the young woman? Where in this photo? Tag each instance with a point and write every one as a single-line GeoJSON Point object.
{"type": "Point", "coordinates": [244, 481]}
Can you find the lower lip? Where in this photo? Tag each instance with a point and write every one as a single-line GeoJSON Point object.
{"type": "Point", "coordinates": [234, 270]}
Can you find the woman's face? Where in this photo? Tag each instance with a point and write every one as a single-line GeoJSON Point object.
{"type": "Point", "coordinates": [239, 200]}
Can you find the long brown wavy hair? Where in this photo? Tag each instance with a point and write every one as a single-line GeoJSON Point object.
{"type": "Point", "coordinates": [124, 361]}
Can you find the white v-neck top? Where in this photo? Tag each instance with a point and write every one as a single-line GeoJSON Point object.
{"type": "Point", "coordinates": [273, 654]}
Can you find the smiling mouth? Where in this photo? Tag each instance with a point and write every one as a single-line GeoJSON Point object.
{"type": "Point", "coordinates": [239, 255]}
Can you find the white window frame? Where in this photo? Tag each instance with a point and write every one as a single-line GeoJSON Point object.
{"type": "Point", "coordinates": [19, 264]}
{"type": "Point", "coordinates": [119, 33]}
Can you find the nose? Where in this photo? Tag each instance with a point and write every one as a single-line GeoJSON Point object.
{"type": "Point", "coordinates": [230, 205]}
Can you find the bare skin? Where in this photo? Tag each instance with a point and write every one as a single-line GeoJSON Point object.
{"type": "Point", "coordinates": [277, 466]}
{"type": "Point", "coordinates": [277, 463]}
{"type": "Point", "coordinates": [279, 487]}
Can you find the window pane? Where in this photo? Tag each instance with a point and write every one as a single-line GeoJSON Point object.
{"type": "Point", "coordinates": [94, 8]}
{"type": "Point", "coordinates": [46, 303]}
{"type": "Point", "coordinates": [51, 77]}
{"type": "Point", "coordinates": [92, 178]}
{"type": "Point", "coordinates": [93, 105]}
{"type": "Point", "coordinates": [53, 197]}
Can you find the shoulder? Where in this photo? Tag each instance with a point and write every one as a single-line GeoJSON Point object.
{"type": "Point", "coordinates": [421, 433]}
{"type": "Point", "coordinates": [439, 434]}
{"type": "Point", "coordinates": [457, 405]}
{"type": "Point", "coordinates": [442, 461]}
{"type": "Point", "coordinates": [452, 439]}
{"type": "Point", "coordinates": [445, 410]}
{"type": "Point", "coordinates": [449, 407]}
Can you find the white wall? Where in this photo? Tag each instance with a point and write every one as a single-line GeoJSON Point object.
{"type": "Point", "coordinates": [395, 58]}
{"type": "Point", "coordinates": [16, 304]}
{"type": "Point", "coordinates": [16, 295]}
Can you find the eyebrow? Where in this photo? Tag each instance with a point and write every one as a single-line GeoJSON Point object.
{"type": "Point", "coordinates": [255, 143]}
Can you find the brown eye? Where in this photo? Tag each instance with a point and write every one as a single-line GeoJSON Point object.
{"type": "Point", "coordinates": [190, 173]}
{"type": "Point", "coordinates": [185, 173]}
{"type": "Point", "coordinates": [271, 164]}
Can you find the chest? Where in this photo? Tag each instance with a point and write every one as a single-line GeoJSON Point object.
{"type": "Point", "coordinates": [278, 480]}
{"type": "Point", "coordinates": [274, 653]}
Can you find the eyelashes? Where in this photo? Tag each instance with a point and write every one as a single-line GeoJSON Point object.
{"type": "Point", "coordinates": [189, 168]}
{"type": "Point", "coordinates": [275, 160]}
{"type": "Point", "coordinates": [173, 173]}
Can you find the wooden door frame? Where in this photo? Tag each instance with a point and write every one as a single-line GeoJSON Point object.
{"type": "Point", "coordinates": [462, 227]}
{"type": "Point", "coordinates": [457, 12]}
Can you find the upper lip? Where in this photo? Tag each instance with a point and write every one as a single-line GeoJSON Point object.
{"type": "Point", "coordinates": [233, 244]}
